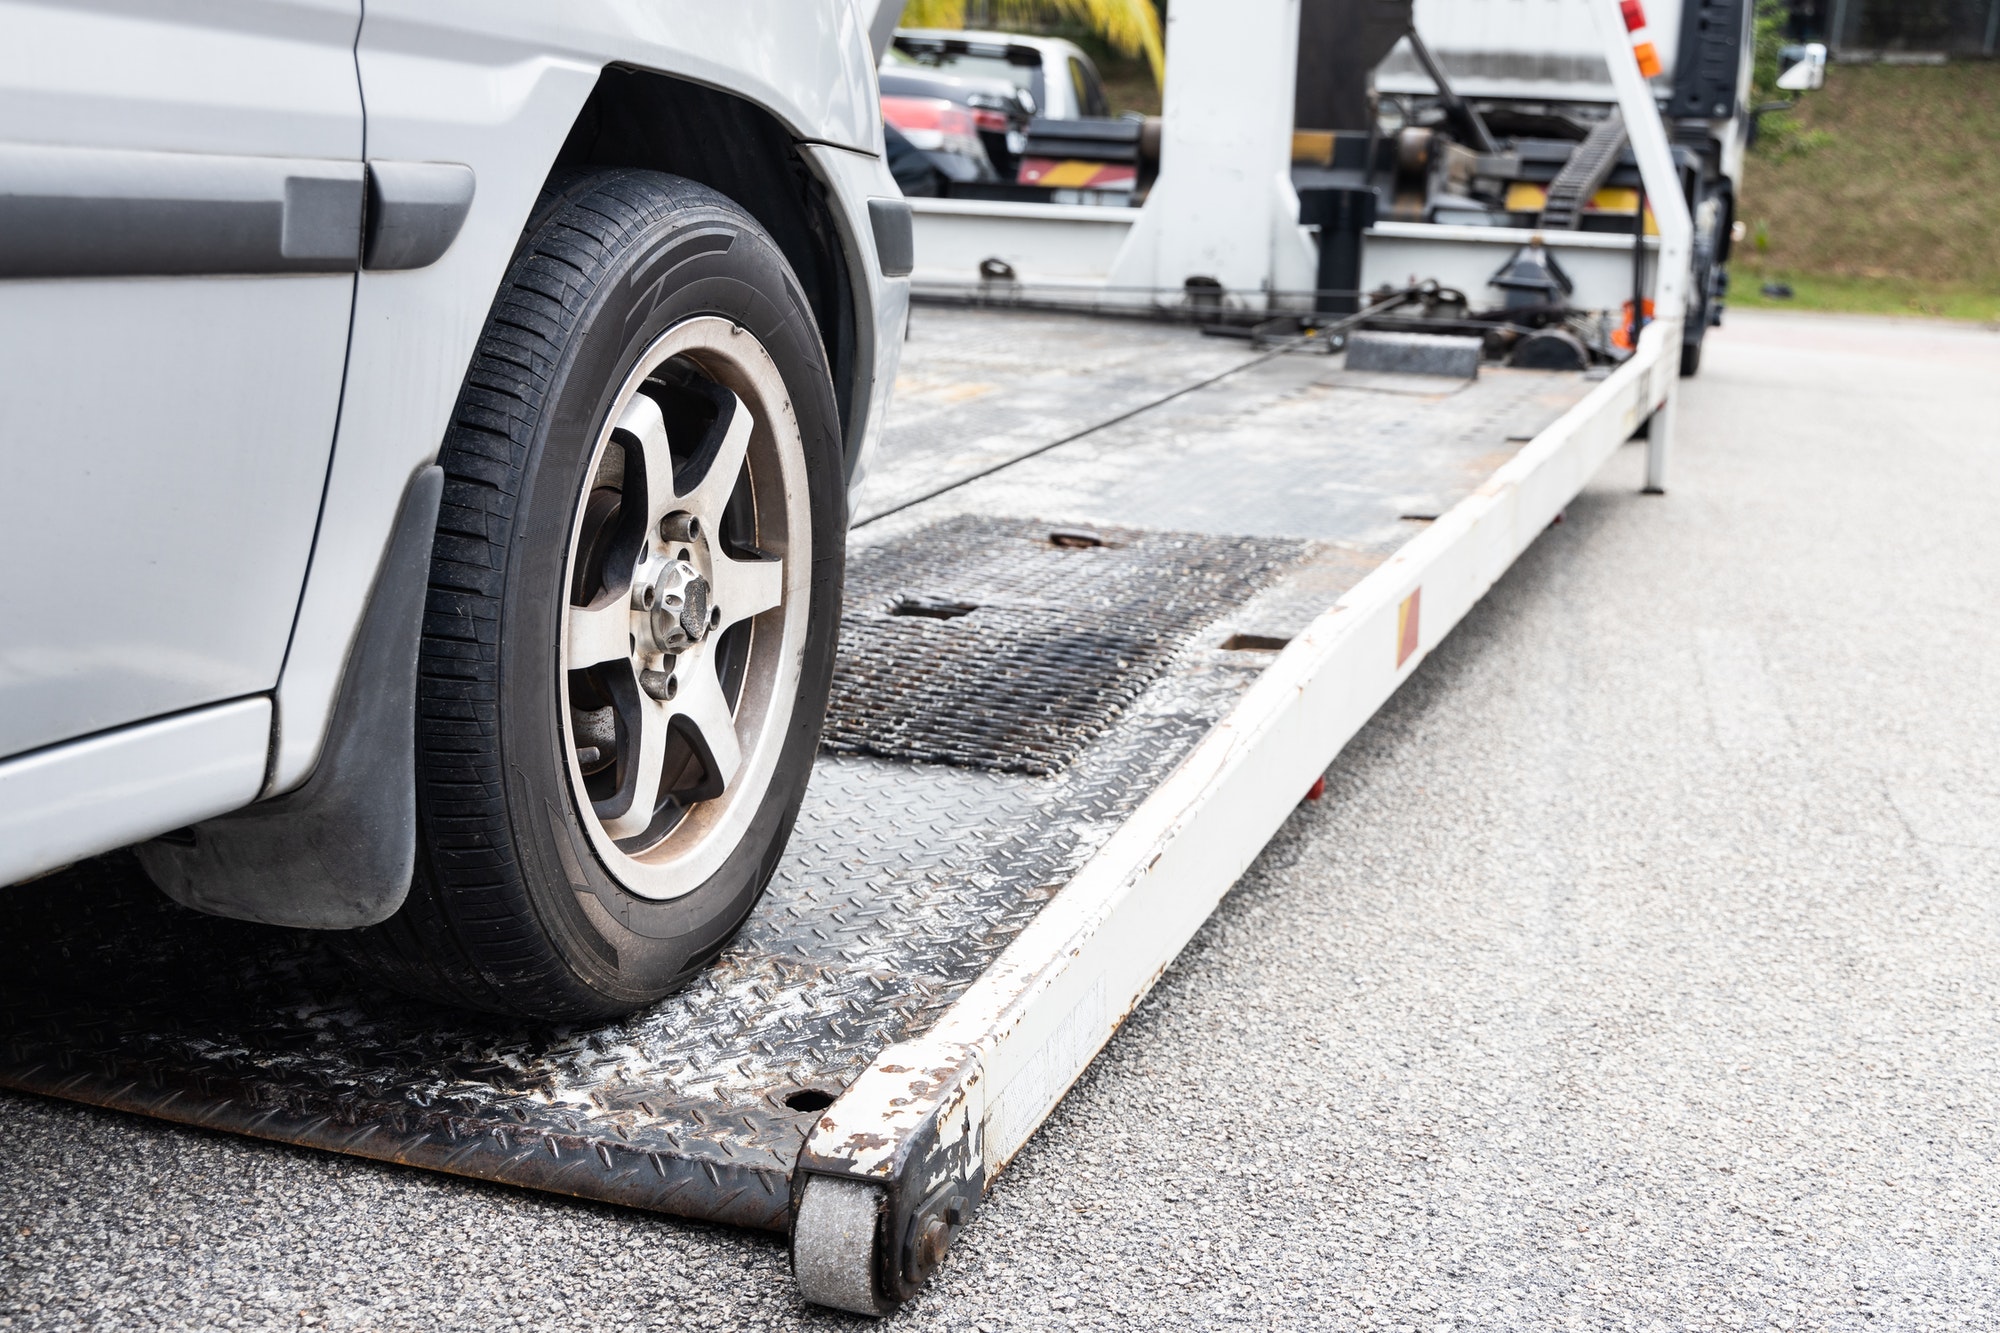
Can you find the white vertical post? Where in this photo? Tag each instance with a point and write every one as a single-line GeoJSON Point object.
{"type": "Point", "coordinates": [1648, 133]}
{"type": "Point", "coordinates": [1223, 206]}
{"type": "Point", "coordinates": [1660, 443]}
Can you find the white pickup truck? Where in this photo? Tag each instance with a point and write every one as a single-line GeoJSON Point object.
{"type": "Point", "coordinates": [425, 440]}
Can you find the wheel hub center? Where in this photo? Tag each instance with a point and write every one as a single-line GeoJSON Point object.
{"type": "Point", "coordinates": [680, 607]}
{"type": "Point", "coordinates": [694, 614]}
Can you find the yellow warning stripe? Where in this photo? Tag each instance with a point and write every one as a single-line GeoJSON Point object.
{"type": "Point", "coordinates": [1070, 175]}
{"type": "Point", "coordinates": [1524, 197]}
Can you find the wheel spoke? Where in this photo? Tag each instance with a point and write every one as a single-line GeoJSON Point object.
{"type": "Point", "coordinates": [628, 813]}
{"type": "Point", "coordinates": [712, 492]}
{"type": "Point", "coordinates": [642, 421]}
{"type": "Point", "coordinates": [692, 507]}
{"type": "Point", "coordinates": [601, 632]}
{"type": "Point", "coordinates": [740, 589]}
{"type": "Point", "coordinates": [703, 716]}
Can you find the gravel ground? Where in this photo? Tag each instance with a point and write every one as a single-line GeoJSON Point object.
{"type": "Point", "coordinates": [1638, 970]}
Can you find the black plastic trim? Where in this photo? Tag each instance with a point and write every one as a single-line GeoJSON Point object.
{"type": "Point", "coordinates": [415, 211]}
{"type": "Point", "coordinates": [336, 853]}
{"type": "Point", "coordinates": [895, 236]}
{"type": "Point", "coordinates": [1709, 61]}
{"type": "Point", "coordinates": [99, 212]}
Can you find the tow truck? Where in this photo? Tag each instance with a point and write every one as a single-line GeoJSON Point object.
{"type": "Point", "coordinates": [1118, 593]}
{"type": "Point", "coordinates": [1402, 162]}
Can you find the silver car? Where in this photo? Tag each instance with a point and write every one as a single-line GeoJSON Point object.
{"type": "Point", "coordinates": [427, 434]}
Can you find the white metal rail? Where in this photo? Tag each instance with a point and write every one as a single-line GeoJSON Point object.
{"type": "Point", "coordinates": [974, 1088]}
{"type": "Point", "coordinates": [896, 1165]}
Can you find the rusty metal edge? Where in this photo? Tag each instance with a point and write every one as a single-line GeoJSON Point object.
{"type": "Point", "coordinates": [577, 1165]}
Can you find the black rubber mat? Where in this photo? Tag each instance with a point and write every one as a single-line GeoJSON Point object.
{"type": "Point", "coordinates": [1009, 645]}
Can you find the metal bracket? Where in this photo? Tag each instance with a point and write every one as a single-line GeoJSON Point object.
{"type": "Point", "coordinates": [909, 1132]}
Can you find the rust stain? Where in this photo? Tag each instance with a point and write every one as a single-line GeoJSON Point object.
{"type": "Point", "coordinates": [862, 1141]}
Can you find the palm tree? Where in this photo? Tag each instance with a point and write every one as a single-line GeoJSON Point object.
{"type": "Point", "coordinates": [1131, 26]}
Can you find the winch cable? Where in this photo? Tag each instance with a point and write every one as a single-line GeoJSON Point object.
{"type": "Point", "coordinates": [1329, 331]}
{"type": "Point", "coordinates": [1072, 438]}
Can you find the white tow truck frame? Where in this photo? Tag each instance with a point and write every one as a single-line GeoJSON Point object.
{"type": "Point", "coordinates": [935, 1119]}
{"type": "Point", "coordinates": [1223, 210]}
{"type": "Point", "coordinates": [891, 1163]}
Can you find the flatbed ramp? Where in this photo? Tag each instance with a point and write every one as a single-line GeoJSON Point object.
{"type": "Point", "coordinates": [1118, 594]}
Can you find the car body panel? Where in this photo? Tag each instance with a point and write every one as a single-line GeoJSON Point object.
{"type": "Point", "coordinates": [807, 64]}
{"type": "Point", "coordinates": [236, 76]}
{"type": "Point", "coordinates": [493, 86]}
{"type": "Point", "coordinates": [133, 783]}
{"type": "Point", "coordinates": [441, 84]}
{"type": "Point", "coordinates": [503, 110]}
{"type": "Point", "coordinates": [881, 304]}
{"type": "Point", "coordinates": [165, 437]}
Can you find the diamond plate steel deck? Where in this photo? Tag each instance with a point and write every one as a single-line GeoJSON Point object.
{"type": "Point", "coordinates": [902, 882]}
{"type": "Point", "coordinates": [999, 644]}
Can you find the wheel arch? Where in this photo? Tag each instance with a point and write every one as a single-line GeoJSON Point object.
{"type": "Point", "coordinates": [644, 119]}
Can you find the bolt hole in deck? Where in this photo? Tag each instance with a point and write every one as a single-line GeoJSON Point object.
{"type": "Point", "coordinates": [931, 608]}
{"type": "Point", "coordinates": [809, 1099]}
{"type": "Point", "coordinates": [1254, 643]}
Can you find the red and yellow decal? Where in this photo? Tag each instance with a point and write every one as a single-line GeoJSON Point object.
{"type": "Point", "coordinates": [1074, 175]}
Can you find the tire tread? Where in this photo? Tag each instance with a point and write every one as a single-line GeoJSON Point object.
{"type": "Point", "coordinates": [469, 934]}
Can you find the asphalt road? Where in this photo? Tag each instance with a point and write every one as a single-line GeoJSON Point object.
{"type": "Point", "coordinates": [1638, 970]}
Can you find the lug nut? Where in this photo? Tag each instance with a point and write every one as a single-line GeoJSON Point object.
{"type": "Point", "coordinates": [932, 1244]}
{"type": "Point", "coordinates": [680, 527]}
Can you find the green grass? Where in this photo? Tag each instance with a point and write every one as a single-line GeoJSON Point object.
{"type": "Point", "coordinates": [1865, 296]}
{"type": "Point", "coordinates": [1882, 196]}
{"type": "Point", "coordinates": [1128, 84]}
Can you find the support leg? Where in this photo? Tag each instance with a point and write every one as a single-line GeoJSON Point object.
{"type": "Point", "coordinates": [1659, 441]}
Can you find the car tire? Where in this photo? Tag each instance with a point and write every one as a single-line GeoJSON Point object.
{"type": "Point", "coordinates": [633, 605]}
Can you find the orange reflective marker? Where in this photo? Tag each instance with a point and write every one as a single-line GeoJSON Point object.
{"type": "Point", "coordinates": [1406, 625]}
{"type": "Point", "coordinates": [1622, 335]}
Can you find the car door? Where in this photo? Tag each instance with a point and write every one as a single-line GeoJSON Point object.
{"type": "Point", "coordinates": [180, 211]}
